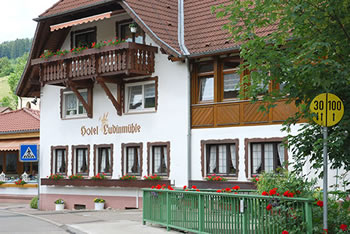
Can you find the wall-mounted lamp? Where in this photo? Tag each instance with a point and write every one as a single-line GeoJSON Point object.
{"type": "Point", "coordinates": [34, 101]}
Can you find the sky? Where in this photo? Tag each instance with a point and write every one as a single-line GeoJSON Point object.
{"type": "Point", "coordinates": [16, 17]}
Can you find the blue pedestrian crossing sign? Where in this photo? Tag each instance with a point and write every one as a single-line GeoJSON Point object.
{"type": "Point", "coordinates": [28, 153]}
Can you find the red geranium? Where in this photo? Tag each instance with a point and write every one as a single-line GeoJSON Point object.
{"type": "Point", "coordinates": [269, 207]}
{"type": "Point", "coordinates": [236, 187]}
{"type": "Point", "coordinates": [264, 193]}
{"type": "Point", "coordinates": [170, 188]}
{"type": "Point", "coordinates": [319, 203]}
{"type": "Point", "coordinates": [218, 191]}
{"type": "Point", "coordinates": [185, 187]}
{"type": "Point", "coordinates": [343, 227]}
{"type": "Point", "coordinates": [285, 232]}
{"type": "Point", "coordinates": [228, 190]}
{"type": "Point", "coordinates": [272, 192]}
{"type": "Point", "coordinates": [194, 187]}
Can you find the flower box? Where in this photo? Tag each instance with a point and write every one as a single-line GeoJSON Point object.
{"type": "Point", "coordinates": [204, 184]}
{"type": "Point", "coordinates": [59, 206]}
{"type": "Point", "coordinates": [99, 205]}
{"type": "Point", "coordinates": [105, 183]}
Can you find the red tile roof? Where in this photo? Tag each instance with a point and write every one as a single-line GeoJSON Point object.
{"type": "Point", "coordinates": [66, 5]}
{"type": "Point", "coordinates": [203, 31]}
{"type": "Point", "coordinates": [161, 16]}
{"type": "Point", "coordinates": [22, 120]}
{"type": "Point", "coordinates": [5, 109]}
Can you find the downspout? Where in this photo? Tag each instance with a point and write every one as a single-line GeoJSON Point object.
{"type": "Point", "coordinates": [181, 39]}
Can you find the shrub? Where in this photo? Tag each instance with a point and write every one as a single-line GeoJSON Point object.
{"type": "Point", "coordinates": [34, 202]}
{"type": "Point", "coordinates": [291, 185]}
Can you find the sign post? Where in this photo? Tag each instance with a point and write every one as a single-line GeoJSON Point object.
{"type": "Point", "coordinates": [328, 110]}
{"type": "Point", "coordinates": [30, 153]}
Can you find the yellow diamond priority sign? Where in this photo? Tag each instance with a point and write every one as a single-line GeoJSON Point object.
{"type": "Point", "coordinates": [328, 109]}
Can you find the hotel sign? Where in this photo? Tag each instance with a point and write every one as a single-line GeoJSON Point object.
{"type": "Point", "coordinates": [109, 129]}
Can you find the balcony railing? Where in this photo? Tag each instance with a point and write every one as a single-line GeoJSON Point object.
{"type": "Point", "coordinates": [126, 58]}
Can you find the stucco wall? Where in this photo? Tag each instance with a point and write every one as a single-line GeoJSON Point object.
{"type": "Point", "coordinates": [168, 123]}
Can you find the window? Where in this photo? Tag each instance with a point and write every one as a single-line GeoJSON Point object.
{"type": "Point", "coordinates": [158, 158]}
{"type": "Point", "coordinates": [71, 106]}
{"type": "Point", "coordinates": [80, 163]}
{"type": "Point", "coordinates": [59, 160]}
{"type": "Point", "coordinates": [265, 154]}
{"type": "Point", "coordinates": [220, 157]}
{"type": "Point", "coordinates": [218, 80]}
{"type": "Point", "coordinates": [83, 37]}
{"type": "Point", "coordinates": [103, 159]}
{"type": "Point", "coordinates": [231, 79]}
{"type": "Point", "coordinates": [206, 82]}
{"type": "Point", "coordinates": [31, 168]}
{"type": "Point", "coordinates": [11, 162]}
{"type": "Point", "coordinates": [132, 159]}
{"type": "Point", "coordinates": [141, 96]}
{"type": "Point", "coordinates": [266, 157]}
{"type": "Point", "coordinates": [124, 33]}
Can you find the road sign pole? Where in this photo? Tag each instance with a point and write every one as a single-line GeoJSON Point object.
{"type": "Point", "coordinates": [325, 179]}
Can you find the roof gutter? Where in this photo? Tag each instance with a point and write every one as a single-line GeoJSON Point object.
{"type": "Point", "coordinates": [215, 52]}
{"type": "Point", "coordinates": [181, 28]}
{"type": "Point", "coordinates": [149, 29]}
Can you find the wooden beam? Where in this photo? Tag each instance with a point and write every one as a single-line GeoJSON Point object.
{"type": "Point", "coordinates": [86, 106]}
{"type": "Point", "coordinates": [110, 80]}
{"type": "Point", "coordinates": [115, 103]}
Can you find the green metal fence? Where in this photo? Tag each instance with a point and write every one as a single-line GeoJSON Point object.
{"type": "Point", "coordinates": [210, 212]}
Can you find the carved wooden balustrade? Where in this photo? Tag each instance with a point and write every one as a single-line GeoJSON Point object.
{"type": "Point", "coordinates": [126, 58]}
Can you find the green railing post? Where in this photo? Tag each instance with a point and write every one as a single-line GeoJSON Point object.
{"type": "Point", "coordinates": [167, 211]}
{"type": "Point", "coordinates": [308, 217]}
{"type": "Point", "coordinates": [200, 213]}
{"type": "Point", "coordinates": [244, 210]}
{"type": "Point", "coordinates": [144, 200]}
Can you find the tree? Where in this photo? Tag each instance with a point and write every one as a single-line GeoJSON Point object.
{"type": "Point", "coordinates": [13, 79]}
{"type": "Point", "coordinates": [308, 52]}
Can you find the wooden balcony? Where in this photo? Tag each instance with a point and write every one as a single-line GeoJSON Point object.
{"type": "Point", "coordinates": [242, 113]}
{"type": "Point", "coordinates": [126, 59]}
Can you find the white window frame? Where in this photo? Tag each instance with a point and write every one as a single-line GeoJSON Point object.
{"type": "Point", "coordinates": [64, 106]}
{"type": "Point", "coordinates": [143, 110]}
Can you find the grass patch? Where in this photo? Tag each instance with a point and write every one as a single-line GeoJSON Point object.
{"type": "Point", "coordinates": [4, 87]}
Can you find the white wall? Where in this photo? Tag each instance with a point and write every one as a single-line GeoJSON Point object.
{"type": "Point", "coordinates": [242, 133]}
{"type": "Point", "coordinates": [168, 123]}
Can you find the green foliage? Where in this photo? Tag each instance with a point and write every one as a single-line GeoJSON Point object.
{"type": "Point", "coordinates": [34, 202]}
{"type": "Point", "coordinates": [17, 68]}
{"type": "Point", "coordinates": [15, 49]}
{"type": "Point", "coordinates": [292, 219]}
{"type": "Point", "coordinates": [6, 66]}
{"type": "Point", "coordinates": [286, 181]}
{"type": "Point", "coordinates": [308, 52]}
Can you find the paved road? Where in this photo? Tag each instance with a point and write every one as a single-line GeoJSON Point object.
{"type": "Point", "coordinates": [19, 218]}
{"type": "Point", "coordinates": [13, 223]}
